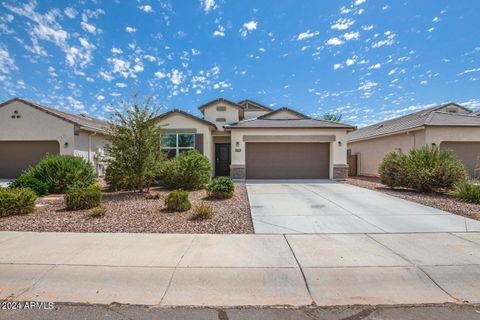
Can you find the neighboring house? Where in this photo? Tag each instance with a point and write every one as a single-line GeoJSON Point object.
{"type": "Point", "coordinates": [448, 126]}
{"type": "Point", "coordinates": [29, 130]}
{"type": "Point", "coordinates": [249, 140]}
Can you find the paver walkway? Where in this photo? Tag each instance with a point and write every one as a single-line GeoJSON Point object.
{"type": "Point", "coordinates": [238, 270]}
{"type": "Point", "coordinates": [328, 207]}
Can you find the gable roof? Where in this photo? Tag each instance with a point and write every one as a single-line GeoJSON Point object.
{"type": "Point", "coordinates": [85, 122]}
{"type": "Point", "coordinates": [439, 118]}
{"type": "Point", "coordinates": [186, 114]}
{"type": "Point", "coordinates": [243, 103]}
{"type": "Point", "coordinates": [410, 121]}
{"type": "Point", "coordinates": [208, 104]}
{"type": "Point", "coordinates": [301, 115]}
{"type": "Point", "coordinates": [258, 123]}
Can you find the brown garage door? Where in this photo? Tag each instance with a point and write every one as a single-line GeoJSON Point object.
{"type": "Point", "coordinates": [16, 156]}
{"type": "Point", "coordinates": [468, 152]}
{"type": "Point", "coordinates": [287, 160]}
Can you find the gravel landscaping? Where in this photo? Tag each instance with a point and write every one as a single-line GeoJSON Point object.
{"type": "Point", "coordinates": [437, 200]}
{"type": "Point", "coordinates": [131, 212]}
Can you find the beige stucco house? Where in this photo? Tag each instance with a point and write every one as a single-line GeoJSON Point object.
{"type": "Point", "coordinates": [449, 126]}
{"type": "Point", "coordinates": [248, 140]}
{"type": "Point", "coordinates": [29, 130]}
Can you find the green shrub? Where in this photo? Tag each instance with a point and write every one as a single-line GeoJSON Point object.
{"type": "Point", "coordinates": [61, 173]}
{"type": "Point", "coordinates": [221, 187]}
{"type": "Point", "coordinates": [202, 212]}
{"type": "Point", "coordinates": [177, 200]}
{"type": "Point", "coordinates": [423, 169]}
{"type": "Point", "coordinates": [16, 201]}
{"type": "Point", "coordinates": [98, 211]}
{"type": "Point", "coordinates": [189, 171]}
{"type": "Point", "coordinates": [28, 181]}
{"type": "Point", "coordinates": [467, 190]}
{"type": "Point", "coordinates": [83, 198]}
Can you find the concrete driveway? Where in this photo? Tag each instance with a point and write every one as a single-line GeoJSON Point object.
{"type": "Point", "coordinates": [328, 207]}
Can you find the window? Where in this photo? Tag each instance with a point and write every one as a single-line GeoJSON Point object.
{"type": "Point", "coordinates": [221, 119]}
{"type": "Point", "coordinates": [175, 143]}
{"type": "Point", "coordinates": [221, 108]}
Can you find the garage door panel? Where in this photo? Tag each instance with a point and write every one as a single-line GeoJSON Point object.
{"type": "Point", "coordinates": [16, 156]}
{"type": "Point", "coordinates": [287, 160]}
{"type": "Point", "coordinates": [467, 152]}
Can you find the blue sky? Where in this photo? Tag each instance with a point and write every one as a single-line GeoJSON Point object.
{"type": "Point", "coordinates": [369, 60]}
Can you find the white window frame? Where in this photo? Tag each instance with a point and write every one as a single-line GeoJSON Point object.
{"type": "Point", "coordinates": [177, 148]}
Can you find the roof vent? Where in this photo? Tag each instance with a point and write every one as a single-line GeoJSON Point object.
{"type": "Point", "coordinates": [379, 126]}
{"type": "Point", "coordinates": [85, 116]}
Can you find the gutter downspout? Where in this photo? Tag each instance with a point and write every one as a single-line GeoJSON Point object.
{"type": "Point", "coordinates": [90, 147]}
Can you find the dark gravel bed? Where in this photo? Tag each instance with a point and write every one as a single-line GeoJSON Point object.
{"type": "Point", "coordinates": [131, 212]}
{"type": "Point", "coordinates": [437, 200]}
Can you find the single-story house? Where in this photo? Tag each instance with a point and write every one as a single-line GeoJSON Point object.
{"type": "Point", "coordinates": [448, 126]}
{"type": "Point", "coordinates": [247, 140]}
{"type": "Point", "coordinates": [29, 130]}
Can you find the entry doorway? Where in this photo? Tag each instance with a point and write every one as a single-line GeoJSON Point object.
{"type": "Point", "coordinates": [222, 159]}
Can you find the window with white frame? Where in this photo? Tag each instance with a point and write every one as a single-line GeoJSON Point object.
{"type": "Point", "coordinates": [175, 143]}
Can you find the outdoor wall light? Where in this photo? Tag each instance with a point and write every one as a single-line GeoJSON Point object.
{"type": "Point", "coordinates": [237, 144]}
{"type": "Point", "coordinates": [339, 143]}
{"type": "Point", "coordinates": [65, 144]}
{"type": "Point", "coordinates": [434, 144]}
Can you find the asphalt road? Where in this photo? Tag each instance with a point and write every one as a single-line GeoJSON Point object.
{"type": "Point", "coordinates": [130, 312]}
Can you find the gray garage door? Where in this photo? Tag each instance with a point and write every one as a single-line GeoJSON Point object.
{"type": "Point", "coordinates": [468, 152]}
{"type": "Point", "coordinates": [16, 156]}
{"type": "Point", "coordinates": [287, 160]}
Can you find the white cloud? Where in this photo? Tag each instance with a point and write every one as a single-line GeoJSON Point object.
{"type": "Point", "coordinates": [100, 97]}
{"type": "Point", "coordinates": [262, 49]}
{"type": "Point", "coordinates": [387, 42]}
{"type": "Point", "coordinates": [160, 75]}
{"type": "Point", "coordinates": [436, 19]}
{"type": "Point", "coordinates": [195, 52]}
{"type": "Point", "coordinates": [342, 24]}
{"type": "Point", "coordinates": [70, 12]}
{"type": "Point", "coordinates": [431, 29]}
{"type": "Point", "coordinates": [130, 29]}
{"type": "Point", "coordinates": [208, 5]}
{"type": "Point", "coordinates": [337, 66]}
{"type": "Point", "coordinates": [220, 32]}
{"type": "Point", "coordinates": [468, 71]}
{"type": "Point", "coordinates": [423, 82]}
{"type": "Point", "coordinates": [375, 66]}
{"type": "Point", "coordinates": [105, 76]}
{"type": "Point", "coordinates": [221, 85]}
{"type": "Point", "coordinates": [89, 27]}
{"type": "Point", "coordinates": [307, 34]}
{"type": "Point", "coordinates": [75, 103]}
{"type": "Point", "coordinates": [120, 85]}
{"type": "Point", "coordinates": [359, 2]}
{"type": "Point", "coordinates": [176, 77]}
{"type": "Point", "coordinates": [367, 85]}
{"type": "Point", "coordinates": [150, 58]}
{"type": "Point", "coordinates": [351, 36]}
{"type": "Point", "coordinates": [248, 27]}
{"type": "Point", "coordinates": [367, 27]}
{"type": "Point", "coordinates": [146, 8]}
{"type": "Point", "coordinates": [350, 61]}
{"type": "Point", "coordinates": [334, 41]}
{"type": "Point", "coordinates": [7, 63]}
{"type": "Point", "coordinates": [121, 67]}
{"type": "Point", "coordinates": [116, 50]}
{"type": "Point", "coordinates": [392, 72]}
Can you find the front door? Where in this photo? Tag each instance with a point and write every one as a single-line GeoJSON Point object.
{"type": "Point", "coordinates": [222, 159]}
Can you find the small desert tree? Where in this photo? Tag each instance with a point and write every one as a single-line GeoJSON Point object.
{"type": "Point", "coordinates": [134, 154]}
{"type": "Point", "coordinates": [335, 117]}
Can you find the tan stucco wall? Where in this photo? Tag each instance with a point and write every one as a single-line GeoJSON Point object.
{"type": "Point", "coordinates": [35, 125]}
{"type": "Point", "coordinates": [178, 121]}
{"type": "Point", "coordinates": [371, 152]}
{"type": "Point", "coordinates": [284, 114]}
{"type": "Point", "coordinates": [231, 114]}
{"type": "Point", "coordinates": [97, 144]}
{"type": "Point", "coordinates": [338, 154]}
{"type": "Point", "coordinates": [439, 134]}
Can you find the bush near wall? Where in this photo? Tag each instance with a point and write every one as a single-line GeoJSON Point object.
{"type": "Point", "coordinates": [83, 198]}
{"type": "Point", "coordinates": [188, 171]}
{"type": "Point", "coordinates": [423, 170]}
{"type": "Point", "coordinates": [62, 172]}
{"type": "Point", "coordinates": [221, 187]}
{"type": "Point", "coordinates": [467, 190]}
{"type": "Point", "coordinates": [28, 181]}
{"type": "Point", "coordinates": [16, 201]}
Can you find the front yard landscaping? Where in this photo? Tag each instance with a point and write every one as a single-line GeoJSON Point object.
{"type": "Point", "coordinates": [133, 212]}
{"type": "Point", "coordinates": [439, 200]}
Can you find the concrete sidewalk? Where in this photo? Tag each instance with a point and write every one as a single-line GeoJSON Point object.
{"type": "Point", "coordinates": [240, 270]}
